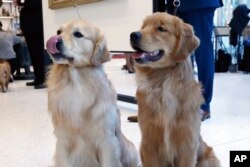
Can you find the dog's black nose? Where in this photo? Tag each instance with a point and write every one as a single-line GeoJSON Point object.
{"type": "Point", "coordinates": [135, 36]}
{"type": "Point", "coordinates": [59, 44]}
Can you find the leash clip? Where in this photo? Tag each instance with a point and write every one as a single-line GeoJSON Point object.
{"type": "Point", "coordinates": [176, 3]}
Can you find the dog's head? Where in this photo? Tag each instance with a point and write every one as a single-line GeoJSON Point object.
{"type": "Point", "coordinates": [79, 44]}
{"type": "Point", "coordinates": [163, 41]}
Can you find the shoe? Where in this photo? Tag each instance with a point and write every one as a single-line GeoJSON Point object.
{"type": "Point", "coordinates": [124, 67]}
{"type": "Point", "coordinates": [32, 83]}
{"type": "Point", "coordinates": [40, 86]}
{"type": "Point", "coordinates": [205, 115]}
{"type": "Point", "coordinates": [133, 118]}
{"type": "Point", "coordinates": [130, 71]}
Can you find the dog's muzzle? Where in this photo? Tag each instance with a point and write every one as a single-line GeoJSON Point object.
{"type": "Point", "coordinates": [141, 56]}
{"type": "Point", "coordinates": [55, 48]}
{"type": "Point", "coordinates": [135, 38]}
{"type": "Point", "coordinates": [54, 45]}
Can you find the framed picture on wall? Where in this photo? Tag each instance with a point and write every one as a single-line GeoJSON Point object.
{"type": "Point", "coordinates": [55, 4]}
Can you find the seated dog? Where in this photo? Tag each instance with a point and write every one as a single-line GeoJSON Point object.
{"type": "Point", "coordinates": [82, 101]}
{"type": "Point", "coordinates": [168, 96]}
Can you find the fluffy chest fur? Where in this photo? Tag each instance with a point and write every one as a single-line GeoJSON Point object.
{"type": "Point", "coordinates": [168, 89]}
{"type": "Point", "coordinates": [83, 107]}
{"type": "Point", "coordinates": [168, 96]}
{"type": "Point", "coordinates": [78, 98]}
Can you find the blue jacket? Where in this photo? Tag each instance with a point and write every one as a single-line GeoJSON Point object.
{"type": "Point", "coordinates": [192, 5]}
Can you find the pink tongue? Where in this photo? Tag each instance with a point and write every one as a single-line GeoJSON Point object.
{"type": "Point", "coordinates": [137, 55]}
{"type": "Point", "coordinates": [51, 44]}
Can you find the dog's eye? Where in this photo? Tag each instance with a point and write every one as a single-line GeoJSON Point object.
{"type": "Point", "coordinates": [161, 29]}
{"type": "Point", "coordinates": [58, 32]}
{"type": "Point", "coordinates": [78, 34]}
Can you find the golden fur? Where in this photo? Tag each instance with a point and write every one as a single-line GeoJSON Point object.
{"type": "Point", "coordinates": [168, 95]}
{"type": "Point", "coordinates": [82, 102]}
{"type": "Point", "coordinates": [5, 73]}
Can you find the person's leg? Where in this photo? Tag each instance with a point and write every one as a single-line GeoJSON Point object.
{"type": "Point", "coordinates": [202, 21]}
{"type": "Point", "coordinates": [18, 50]}
{"type": "Point", "coordinates": [129, 63]}
{"type": "Point", "coordinates": [35, 45]}
{"type": "Point", "coordinates": [26, 62]}
{"type": "Point", "coordinates": [26, 54]}
{"type": "Point", "coordinates": [13, 65]}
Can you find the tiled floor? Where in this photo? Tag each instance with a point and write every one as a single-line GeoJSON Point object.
{"type": "Point", "coordinates": [26, 134]}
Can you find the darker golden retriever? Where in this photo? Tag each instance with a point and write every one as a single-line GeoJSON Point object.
{"type": "Point", "coordinates": [168, 96]}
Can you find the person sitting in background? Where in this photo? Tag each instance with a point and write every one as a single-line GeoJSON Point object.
{"type": "Point", "coordinates": [7, 41]}
{"type": "Point", "coordinates": [23, 59]}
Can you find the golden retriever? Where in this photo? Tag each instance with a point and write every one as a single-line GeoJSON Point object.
{"type": "Point", "coordinates": [168, 96]}
{"type": "Point", "coordinates": [82, 101]}
{"type": "Point", "coordinates": [5, 74]}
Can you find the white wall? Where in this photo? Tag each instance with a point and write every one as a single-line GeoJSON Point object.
{"type": "Point", "coordinates": [116, 18]}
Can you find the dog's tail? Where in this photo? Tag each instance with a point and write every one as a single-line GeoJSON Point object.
{"type": "Point", "coordinates": [206, 156]}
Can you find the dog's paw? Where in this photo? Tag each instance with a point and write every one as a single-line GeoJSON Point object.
{"type": "Point", "coordinates": [4, 90]}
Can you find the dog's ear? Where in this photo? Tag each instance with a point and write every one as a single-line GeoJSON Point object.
{"type": "Point", "coordinates": [101, 53]}
{"type": "Point", "coordinates": [186, 42]}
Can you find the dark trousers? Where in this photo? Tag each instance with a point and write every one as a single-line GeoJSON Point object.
{"type": "Point", "coordinates": [202, 22]}
{"type": "Point", "coordinates": [35, 45]}
{"type": "Point", "coordinates": [13, 65]}
{"type": "Point", "coordinates": [22, 55]}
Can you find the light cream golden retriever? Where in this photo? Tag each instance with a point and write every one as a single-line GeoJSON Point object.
{"type": "Point", "coordinates": [168, 96]}
{"type": "Point", "coordinates": [5, 74]}
{"type": "Point", "coordinates": [82, 101]}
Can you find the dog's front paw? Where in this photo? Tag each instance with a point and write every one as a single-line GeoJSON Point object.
{"type": "Point", "coordinates": [4, 90]}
